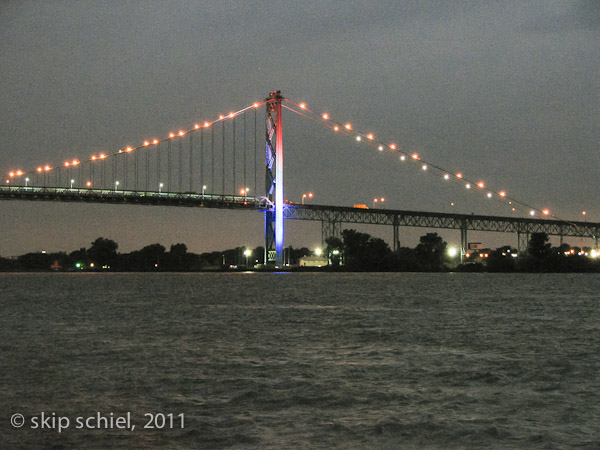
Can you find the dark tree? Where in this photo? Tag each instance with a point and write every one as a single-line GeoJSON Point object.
{"type": "Point", "coordinates": [363, 252]}
{"type": "Point", "coordinates": [405, 260]}
{"type": "Point", "coordinates": [539, 247]}
{"type": "Point", "coordinates": [430, 252]}
{"type": "Point", "coordinates": [151, 257]}
{"type": "Point", "coordinates": [538, 257]}
{"type": "Point", "coordinates": [103, 252]}
{"type": "Point", "coordinates": [178, 250]}
{"type": "Point", "coordinates": [35, 261]}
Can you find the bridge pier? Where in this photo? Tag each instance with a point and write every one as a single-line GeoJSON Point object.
{"type": "Point", "coordinates": [522, 241]}
{"type": "Point", "coordinates": [396, 227]}
{"type": "Point", "coordinates": [463, 240]}
{"type": "Point", "coordinates": [330, 228]}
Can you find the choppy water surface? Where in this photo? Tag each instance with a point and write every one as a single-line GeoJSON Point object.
{"type": "Point", "coordinates": [304, 360]}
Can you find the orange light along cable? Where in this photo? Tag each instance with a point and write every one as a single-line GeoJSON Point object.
{"type": "Point", "coordinates": [130, 149]}
{"type": "Point", "coordinates": [499, 196]}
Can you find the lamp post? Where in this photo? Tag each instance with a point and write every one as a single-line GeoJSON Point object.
{"type": "Point", "coordinates": [72, 181]}
{"type": "Point", "coordinates": [378, 201]}
{"type": "Point", "coordinates": [26, 181]}
{"type": "Point", "coordinates": [160, 186]}
{"type": "Point", "coordinates": [203, 189]}
{"type": "Point", "coordinates": [116, 185]}
{"type": "Point", "coordinates": [305, 196]}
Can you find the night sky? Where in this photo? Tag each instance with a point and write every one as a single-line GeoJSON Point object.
{"type": "Point", "coordinates": [506, 92]}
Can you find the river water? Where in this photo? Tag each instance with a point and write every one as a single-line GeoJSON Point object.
{"type": "Point", "coordinates": [289, 360]}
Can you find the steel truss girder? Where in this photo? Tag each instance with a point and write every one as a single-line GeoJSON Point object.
{"type": "Point", "coordinates": [442, 220]}
{"type": "Point", "coordinates": [329, 214]}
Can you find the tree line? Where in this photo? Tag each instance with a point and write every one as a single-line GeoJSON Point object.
{"type": "Point", "coordinates": [354, 251]}
{"type": "Point", "coordinates": [357, 251]}
{"type": "Point", "coordinates": [102, 255]}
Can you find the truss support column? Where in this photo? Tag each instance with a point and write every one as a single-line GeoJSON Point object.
{"type": "Point", "coordinates": [463, 241]}
{"type": "Point", "coordinates": [330, 228]}
{"type": "Point", "coordinates": [274, 181]}
{"type": "Point", "coordinates": [522, 241]}
{"type": "Point", "coordinates": [396, 233]}
{"type": "Point", "coordinates": [560, 230]}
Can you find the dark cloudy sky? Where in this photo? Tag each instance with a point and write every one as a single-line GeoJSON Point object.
{"type": "Point", "coordinates": [504, 91]}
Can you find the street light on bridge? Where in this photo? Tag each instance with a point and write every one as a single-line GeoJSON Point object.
{"type": "Point", "coordinates": [305, 196]}
{"type": "Point", "coordinates": [379, 201]}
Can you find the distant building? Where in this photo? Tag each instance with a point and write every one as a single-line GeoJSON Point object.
{"type": "Point", "coordinates": [313, 261]}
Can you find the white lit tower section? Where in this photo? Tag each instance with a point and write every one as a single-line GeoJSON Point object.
{"type": "Point", "coordinates": [274, 181]}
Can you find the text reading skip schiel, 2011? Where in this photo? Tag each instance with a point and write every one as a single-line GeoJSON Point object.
{"type": "Point", "coordinates": [99, 421]}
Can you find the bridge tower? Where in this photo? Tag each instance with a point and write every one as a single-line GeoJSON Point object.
{"type": "Point", "coordinates": [274, 181]}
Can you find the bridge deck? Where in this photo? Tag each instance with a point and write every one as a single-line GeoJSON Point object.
{"type": "Point", "coordinates": [190, 199]}
{"type": "Point", "coordinates": [322, 213]}
{"type": "Point", "coordinates": [503, 224]}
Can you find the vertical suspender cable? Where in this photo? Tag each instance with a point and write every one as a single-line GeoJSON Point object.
{"type": "Point", "coordinates": [233, 141]}
{"type": "Point", "coordinates": [147, 168]}
{"type": "Point", "coordinates": [245, 185]}
{"type": "Point", "coordinates": [212, 144]}
{"type": "Point", "coordinates": [223, 153]}
{"type": "Point", "coordinates": [180, 163]}
{"type": "Point", "coordinates": [137, 154]}
{"type": "Point", "coordinates": [169, 166]}
{"type": "Point", "coordinates": [255, 156]}
{"type": "Point", "coordinates": [202, 159]}
{"type": "Point", "coordinates": [158, 165]}
{"type": "Point", "coordinates": [191, 164]}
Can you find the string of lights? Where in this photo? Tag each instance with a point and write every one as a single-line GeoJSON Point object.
{"type": "Point", "coordinates": [46, 169]}
{"type": "Point", "coordinates": [455, 177]}
{"type": "Point", "coordinates": [324, 119]}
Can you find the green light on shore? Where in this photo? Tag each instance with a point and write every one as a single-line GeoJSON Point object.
{"type": "Point", "coordinates": [78, 265]}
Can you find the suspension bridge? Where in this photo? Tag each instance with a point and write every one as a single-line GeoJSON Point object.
{"type": "Point", "coordinates": [228, 153]}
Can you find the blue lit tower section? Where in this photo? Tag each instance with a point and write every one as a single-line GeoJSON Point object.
{"type": "Point", "coordinates": [274, 181]}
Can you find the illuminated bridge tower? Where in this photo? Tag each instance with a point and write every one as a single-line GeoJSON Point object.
{"type": "Point", "coordinates": [274, 181]}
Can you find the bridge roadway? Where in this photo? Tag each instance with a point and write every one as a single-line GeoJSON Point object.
{"type": "Point", "coordinates": [331, 217]}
